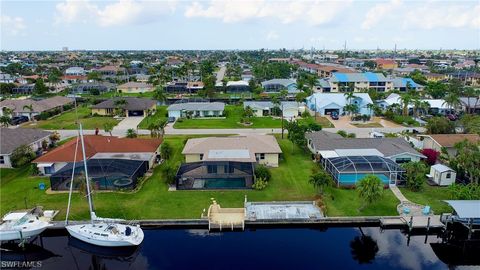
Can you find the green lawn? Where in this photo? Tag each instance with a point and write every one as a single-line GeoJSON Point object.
{"type": "Point", "coordinates": [368, 125]}
{"type": "Point", "coordinates": [432, 196]}
{"type": "Point", "coordinates": [323, 121]}
{"type": "Point", "coordinates": [153, 200]}
{"type": "Point", "coordinates": [67, 120]}
{"type": "Point", "coordinates": [161, 113]}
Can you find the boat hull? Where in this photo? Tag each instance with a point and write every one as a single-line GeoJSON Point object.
{"type": "Point", "coordinates": [80, 232]}
{"type": "Point", "coordinates": [12, 235]}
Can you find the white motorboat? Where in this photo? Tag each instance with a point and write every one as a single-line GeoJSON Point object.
{"type": "Point", "coordinates": [22, 225]}
{"type": "Point", "coordinates": [101, 231]}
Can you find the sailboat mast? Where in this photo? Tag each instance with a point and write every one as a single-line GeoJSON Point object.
{"type": "Point", "coordinates": [86, 175]}
{"type": "Point", "coordinates": [71, 182]}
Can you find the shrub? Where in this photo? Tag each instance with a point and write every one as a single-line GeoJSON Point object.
{"type": "Point", "coordinates": [415, 175]}
{"type": "Point", "coordinates": [260, 184]}
{"type": "Point", "coordinates": [342, 133]}
{"type": "Point", "coordinates": [351, 135]}
{"type": "Point", "coordinates": [306, 114]}
{"type": "Point", "coordinates": [166, 151]}
{"type": "Point", "coordinates": [431, 155]}
{"type": "Point", "coordinates": [21, 156]}
{"type": "Point", "coordinates": [169, 172]}
{"type": "Point", "coordinates": [464, 192]}
{"type": "Point", "coordinates": [262, 172]}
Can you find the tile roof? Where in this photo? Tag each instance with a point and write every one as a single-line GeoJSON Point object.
{"type": "Point", "coordinates": [253, 143]}
{"type": "Point", "coordinates": [12, 138]}
{"type": "Point", "coordinates": [324, 140]}
{"type": "Point", "coordinates": [197, 106]}
{"type": "Point", "coordinates": [38, 105]}
{"type": "Point", "coordinates": [99, 144]}
{"type": "Point", "coordinates": [132, 104]}
{"type": "Point", "coordinates": [449, 140]}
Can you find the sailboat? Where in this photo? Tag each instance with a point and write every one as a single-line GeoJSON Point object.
{"type": "Point", "coordinates": [104, 232]}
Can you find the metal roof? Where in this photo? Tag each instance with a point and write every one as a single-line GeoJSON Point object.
{"type": "Point", "coordinates": [465, 208]}
{"type": "Point", "coordinates": [441, 168]}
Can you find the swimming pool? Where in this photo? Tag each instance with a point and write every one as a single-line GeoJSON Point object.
{"type": "Point", "coordinates": [352, 178]}
{"type": "Point", "coordinates": [225, 183]}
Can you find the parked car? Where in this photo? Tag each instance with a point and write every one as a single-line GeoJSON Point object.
{"type": "Point", "coordinates": [334, 116]}
{"type": "Point", "coordinates": [17, 120]}
{"type": "Point", "coordinates": [452, 117]}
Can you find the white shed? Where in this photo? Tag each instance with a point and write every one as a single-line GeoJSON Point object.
{"type": "Point", "coordinates": [442, 175]}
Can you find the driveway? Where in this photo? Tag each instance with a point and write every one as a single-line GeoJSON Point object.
{"type": "Point", "coordinates": [129, 122]}
{"type": "Point", "coordinates": [343, 122]}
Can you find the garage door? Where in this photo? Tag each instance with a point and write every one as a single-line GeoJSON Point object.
{"type": "Point", "coordinates": [135, 113]}
{"type": "Point", "coordinates": [329, 111]}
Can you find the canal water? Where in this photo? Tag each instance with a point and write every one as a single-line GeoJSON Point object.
{"type": "Point", "coordinates": [266, 248]}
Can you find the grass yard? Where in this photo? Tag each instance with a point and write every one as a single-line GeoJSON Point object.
{"type": "Point", "coordinates": [346, 202]}
{"type": "Point", "coordinates": [153, 200]}
{"type": "Point", "coordinates": [368, 125]}
{"type": "Point", "coordinates": [323, 121]}
{"type": "Point", "coordinates": [432, 196]}
{"type": "Point", "coordinates": [160, 114]}
{"type": "Point", "coordinates": [67, 120]}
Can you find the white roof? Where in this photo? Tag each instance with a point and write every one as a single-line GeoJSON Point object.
{"type": "Point", "coordinates": [441, 168]}
{"type": "Point", "coordinates": [328, 154]}
{"type": "Point", "coordinates": [237, 83]}
{"type": "Point", "coordinates": [434, 103]}
{"type": "Point", "coordinates": [465, 208]}
{"type": "Point", "coordinates": [324, 99]}
{"type": "Point", "coordinates": [44, 164]}
{"type": "Point", "coordinates": [358, 152]}
{"type": "Point", "coordinates": [229, 153]}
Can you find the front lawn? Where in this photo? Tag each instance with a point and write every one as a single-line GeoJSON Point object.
{"type": "Point", "coordinates": [368, 125]}
{"type": "Point", "coordinates": [323, 121]}
{"type": "Point", "coordinates": [289, 183]}
{"type": "Point", "coordinates": [432, 196]}
{"type": "Point", "coordinates": [67, 120]}
{"type": "Point", "coordinates": [160, 114]}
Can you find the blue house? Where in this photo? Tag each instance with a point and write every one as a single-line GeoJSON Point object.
{"type": "Point", "coordinates": [328, 103]}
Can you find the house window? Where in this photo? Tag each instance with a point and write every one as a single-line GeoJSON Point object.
{"type": "Point", "coordinates": [448, 175]}
{"type": "Point", "coordinates": [212, 168]}
{"type": "Point", "coordinates": [201, 156]}
{"type": "Point", "coordinates": [262, 156]}
{"type": "Point", "coordinates": [49, 170]}
{"type": "Point", "coordinates": [2, 160]}
{"type": "Point", "coordinates": [403, 160]}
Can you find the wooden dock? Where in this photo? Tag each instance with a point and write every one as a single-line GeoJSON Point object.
{"type": "Point", "coordinates": [412, 222]}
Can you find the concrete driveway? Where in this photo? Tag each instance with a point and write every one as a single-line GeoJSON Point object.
{"type": "Point", "coordinates": [343, 122]}
{"type": "Point", "coordinates": [129, 122]}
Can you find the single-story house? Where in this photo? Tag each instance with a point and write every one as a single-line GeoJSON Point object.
{"type": "Point", "coordinates": [404, 84]}
{"type": "Point", "coordinates": [105, 151]}
{"type": "Point", "coordinates": [20, 106]}
{"type": "Point", "coordinates": [196, 109]}
{"type": "Point", "coordinates": [79, 71]}
{"type": "Point", "coordinates": [442, 175]}
{"type": "Point", "coordinates": [133, 106]}
{"type": "Point", "coordinates": [436, 106]}
{"type": "Point", "coordinates": [277, 85]}
{"type": "Point", "coordinates": [291, 109]}
{"type": "Point", "coordinates": [24, 89]}
{"type": "Point", "coordinates": [225, 162]}
{"type": "Point", "coordinates": [348, 160]}
{"type": "Point", "coordinates": [324, 144]}
{"type": "Point", "coordinates": [237, 86]}
{"type": "Point", "coordinates": [184, 87]}
{"type": "Point", "coordinates": [327, 103]}
{"type": "Point", "coordinates": [447, 141]}
{"type": "Point", "coordinates": [11, 139]}
{"type": "Point", "coordinates": [86, 88]}
{"type": "Point", "coordinates": [135, 87]}
{"type": "Point", "coordinates": [470, 105]}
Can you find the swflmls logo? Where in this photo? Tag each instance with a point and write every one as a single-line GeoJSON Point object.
{"type": "Point", "coordinates": [20, 264]}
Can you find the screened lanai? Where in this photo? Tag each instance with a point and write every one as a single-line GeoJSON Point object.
{"type": "Point", "coordinates": [348, 170]}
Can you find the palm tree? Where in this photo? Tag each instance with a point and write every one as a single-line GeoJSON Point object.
{"type": "Point", "coordinates": [119, 104]}
{"type": "Point", "coordinates": [405, 99]}
{"type": "Point", "coordinates": [370, 189]}
{"type": "Point", "coordinates": [372, 107]}
{"type": "Point", "coordinates": [471, 92]}
{"type": "Point", "coordinates": [131, 133]}
{"type": "Point", "coordinates": [452, 100]}
{"type": "Point", "coordinates": [351, 109]}
{"type": "Point", "coordinates": [108, 127]}
{"type": "Point", "coordinates": [30, 110]}
{"type": "Point", "coordinates": [160, 94]}
{"type": "Point", "coordinates": [153, 127]}
{"type": "Point", "coordinates": [4, 121]}
{"type": "Point", "coordinates": [321, 180]}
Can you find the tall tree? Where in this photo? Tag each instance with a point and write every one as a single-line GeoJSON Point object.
{"type": "Point", "coordinates": [30, 109]}
{"type": "Point", "coordinates": [321, 180]}
{"type": "Point", "coordinates": [370, 189]}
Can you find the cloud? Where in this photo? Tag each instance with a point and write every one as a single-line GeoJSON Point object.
{"type": "Point", "coordinates": [453, 15]}
{"type": "Point", "coordinates": [378, 12]}
{"type": "Point", "coordinates": [121, 12]}
{"type": "Point", "coordinates": [272, 35]}
{"type": "Point", "coordinates": [317, 12]}
{"type": "Point", "coordinates": [13, 25]}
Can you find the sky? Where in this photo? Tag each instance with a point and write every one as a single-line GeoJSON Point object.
{"type": "Point", "coordinates": [235, 24]}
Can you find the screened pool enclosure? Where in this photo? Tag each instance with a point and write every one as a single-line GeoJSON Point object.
{"type": "Point", "coordinates": [104, 174]}
{"type": "Point", "coordinates": [348, 170]}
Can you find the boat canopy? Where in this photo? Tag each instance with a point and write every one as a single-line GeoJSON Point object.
{"type": "Point", "coordinates": [465, 208]}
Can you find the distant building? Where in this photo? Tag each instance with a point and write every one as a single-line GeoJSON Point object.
{"type": "Point", "coordinates": [76, 71]}
{"type": "Point", "coordinates": [277, 85]}
{"type": "Point", "coordinates": [20, 106]}
{"type": "Point", "coordinates": [404, 84]}
{"type": "Point", "coordinates": [291, 109]}
{"type": "Point", "coordinates": [135, 87]}
{"type": "Point", "coordinates": [435, 77]}
{"type": "Point", "coordinates": [183, 87]}
{"type": "Point", "coordinates": [237, 86]}
{"type": "Point", "coordinates": [87, 88]}
{"type": "Point", "coordinates": [386, 63]}
{"type": "Point", "coordinates": [438, 142]}
{"type": "Point", "coordinates": [355, 82]}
